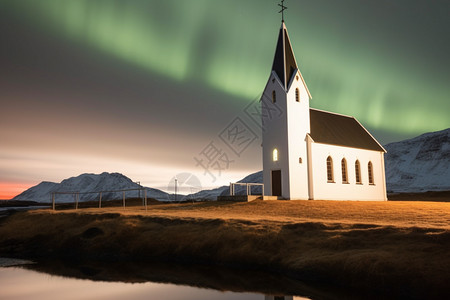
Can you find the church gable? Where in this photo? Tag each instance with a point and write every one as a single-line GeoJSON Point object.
{"type": "Point", "coordinates": [296, 76]}
{"type": "Point", "coordinates": [340, 130]}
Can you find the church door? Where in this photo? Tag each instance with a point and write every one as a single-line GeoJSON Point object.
{"type": "Point", "coordinates": [276, 183]}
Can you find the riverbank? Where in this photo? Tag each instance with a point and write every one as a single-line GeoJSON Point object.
{"type": "Point", "coordinates": [387, 248]}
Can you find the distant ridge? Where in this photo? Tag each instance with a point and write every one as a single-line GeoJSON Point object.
{"type": "Point", "coordinates": [419, 164]}
{"type": "Point", "coordinates": [88, 183]}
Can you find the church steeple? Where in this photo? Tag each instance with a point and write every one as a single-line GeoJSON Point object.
{"type": "Point", "coordinates": [285, 152]}
{"type": "Point", "coordinates": [284, 63]}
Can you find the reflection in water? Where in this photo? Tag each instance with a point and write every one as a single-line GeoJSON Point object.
{"type": "Point", "coordinates": [202, 276]}
{"type": "Point", "coordinates": [58, 279]}
{"type": "Point", "coordinates": [93, 280]}
{"type": "Point", "coordinates": [20, 284]}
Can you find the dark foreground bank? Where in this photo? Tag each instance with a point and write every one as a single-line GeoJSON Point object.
{"type": "Point", "coordinates": [381, 260]}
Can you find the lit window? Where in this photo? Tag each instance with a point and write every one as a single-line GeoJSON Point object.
{"type": "Point", "coordinates": [330, 169]}
{"type": "Point", "coordinates": [357, 172]}
{"type": "Point", "coordinates": [344, 171]}
{"type": "Point", "coordinates": [370, 170]}
{"type": "Point", "coordinates": [297, 95]}
{"type": "Point", "coordinates": [274, 97]}
{"type": "Point", "coordinates": [275, 155]}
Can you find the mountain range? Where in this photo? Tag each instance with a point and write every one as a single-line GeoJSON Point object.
{"type": "Point", "coordinates": [87, 183]}
{"type": "Point", "coordinates": [415, 165]}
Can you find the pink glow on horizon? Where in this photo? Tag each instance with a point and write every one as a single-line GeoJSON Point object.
{"type": "Point", "coordinates": [9, 190]}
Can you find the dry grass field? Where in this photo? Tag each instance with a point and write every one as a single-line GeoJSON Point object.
{"type": "Point", "coordinates": [396, 248]}
{"type": "Point", "coordinates": [395, 213]}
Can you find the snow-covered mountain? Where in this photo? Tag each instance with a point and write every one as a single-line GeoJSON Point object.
{"type": "Point", "coordinates": [88, 183]}
{"type": "Point", "coordinates": [419, 164]}
{"type": "Point", "coordinates": [39, 193]}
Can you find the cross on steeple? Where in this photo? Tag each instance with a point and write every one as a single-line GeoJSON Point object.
{"type": "Point", "coordinates": [283, 8]}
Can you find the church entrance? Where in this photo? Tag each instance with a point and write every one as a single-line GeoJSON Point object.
{"type": "Point", "coordinates": [276, 183]}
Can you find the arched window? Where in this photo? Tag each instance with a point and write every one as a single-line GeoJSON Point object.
{"type": "Point", "coordinates": [275, 155]}
{"type": "Point", "coordinates": [344, 171]}
{"type": "Point", "coordinates": [297, 95]}
{"type": "Point", "coordinates": [330, 169]}
{"type": "Point", "coordinates": [357, 171]}
{"type": "Point", "coordinates": [370, 171]}
{"type": "Point", "coordinates": [274, 97]}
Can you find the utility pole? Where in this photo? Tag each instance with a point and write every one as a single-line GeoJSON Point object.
{"type": "Point", "coordinates": [176, 182]}
{"type": "Point", "coordinates": [139, 191]}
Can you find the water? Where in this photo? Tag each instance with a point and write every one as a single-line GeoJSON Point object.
{"type": "Point", "coordinates": [18, 283]}
{"type": "Point", "coordinates": [21, 283]}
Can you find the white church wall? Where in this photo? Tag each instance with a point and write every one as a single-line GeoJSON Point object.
{"type": "Point", "coordinates": [298, 125]}
{"type": "Point", "coordinates": [275, 136]}
{"type": "Point", "coordinates": [323, 190]}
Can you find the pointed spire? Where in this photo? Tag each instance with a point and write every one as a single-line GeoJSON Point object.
{"type": "Point", "coordinates": [284, 63]}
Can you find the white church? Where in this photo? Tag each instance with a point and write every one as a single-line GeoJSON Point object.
{"type": "Point", "coordinates": [310, 153]}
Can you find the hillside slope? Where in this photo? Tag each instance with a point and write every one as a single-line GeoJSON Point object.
{"type": "Point", "coordinates": [419, 164]}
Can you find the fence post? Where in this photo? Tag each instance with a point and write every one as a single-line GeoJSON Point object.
{"type": "Point", "coordinates": [123, 196]}
{"type": "Point", "coordinates": [145, 195]}
{"type": "Point", "coordinates": [100, 201]}
{"type": "Point", "coordinates": [77, 198]}
{"type": "Point", "coordinates": [53, 201]}
{"type": "Point", "coordinates": [231, 190]}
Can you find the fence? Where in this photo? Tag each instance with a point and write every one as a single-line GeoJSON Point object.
{"type": "Point", "coordinates": [100, 193]}
{"type": "Point", "coordinates": [248, 187]}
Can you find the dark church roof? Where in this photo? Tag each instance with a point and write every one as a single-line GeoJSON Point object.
{"type": "Point", "coordinates": [284, 63]}
{"type": "Point", "coordinates": [335, 129]}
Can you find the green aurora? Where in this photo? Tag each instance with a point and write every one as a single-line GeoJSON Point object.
{"type": "Point", "coordinates": [391, 78]}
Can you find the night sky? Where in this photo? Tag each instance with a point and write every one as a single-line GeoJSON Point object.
{"type": "Point", "coordinates": [150, 88]}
